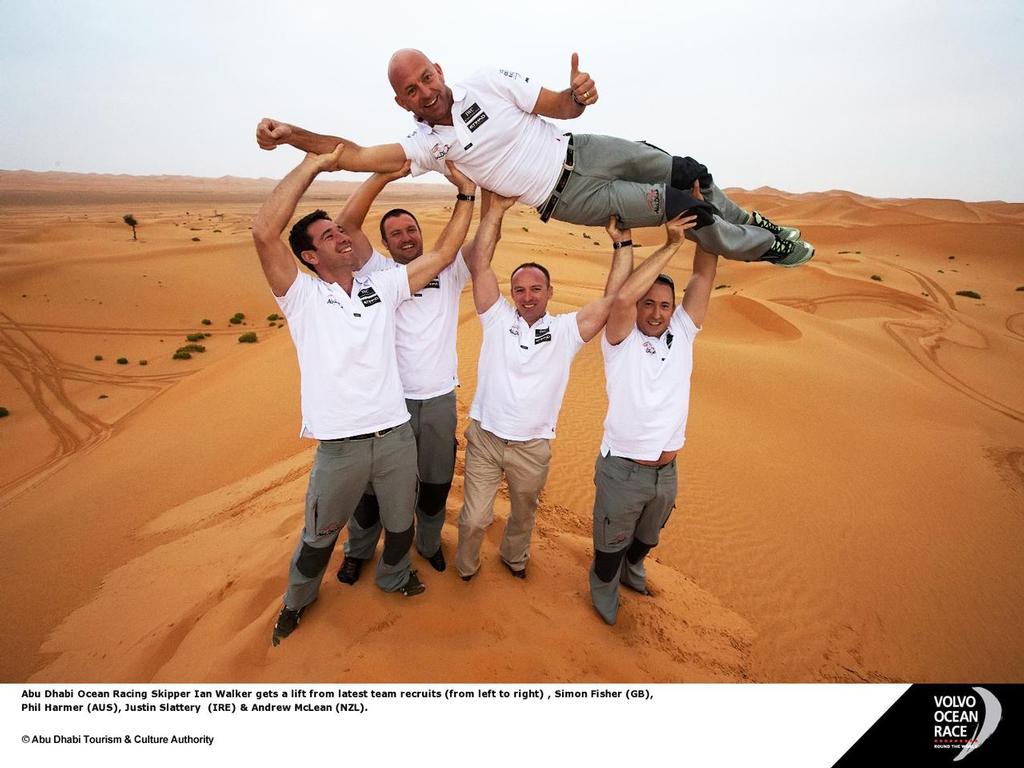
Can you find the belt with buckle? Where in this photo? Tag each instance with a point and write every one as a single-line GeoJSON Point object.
{"type": "Point", "coordinates": [549, 207]}
{"type": "Point", "coordinates": [367, 436]}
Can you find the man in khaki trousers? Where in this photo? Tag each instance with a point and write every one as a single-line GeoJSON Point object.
{"type": "Point", "coordinates": [521, 378]}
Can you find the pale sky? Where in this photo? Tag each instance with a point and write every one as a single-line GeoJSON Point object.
{"type": "Point", "coordinates": [891, 99]}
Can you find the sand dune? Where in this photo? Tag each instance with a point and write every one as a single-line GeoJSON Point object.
{"type": "Point", "coordinates": [851, 502]}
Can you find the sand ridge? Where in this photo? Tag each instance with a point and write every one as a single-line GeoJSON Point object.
{"type": "Point", "coordinates": [851, 490]}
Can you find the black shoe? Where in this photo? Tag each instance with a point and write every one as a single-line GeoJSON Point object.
{"type": "Point", "coordinates": [287, 621]}
{"type": "Point", "coordinates": [437, 562]}
{"type": "Point", "coordinates": [786, 233]}
{"type": "Point", "coordinates": [789, 253]}
{"type": "Point", "coordinates": [350, 568]}
{"type": "Point", "coordinates": [413, 586]}
{"type": "Point", "coordinates": [518, 574]}
{"type": "Point", "coordinates": [467, 578]}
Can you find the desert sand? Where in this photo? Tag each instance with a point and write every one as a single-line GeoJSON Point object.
{"type": "Point", "coordinates": [851, 503]}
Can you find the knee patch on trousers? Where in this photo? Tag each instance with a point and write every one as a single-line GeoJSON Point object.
{"type": "Point", "coordinates": [678, 200]}
{"type": "Point", "coordinates": [433, 497]}
{"type": "Point", "coordinates": [367, 512]}
{"type": "Point", "coordinates": [313, 560]}
{"type": "Point", "coordinates": [607, 564]}
{"type": "Point", "coordinates": [686, 170]}
{"type": "Point", "coordinates": [396, 545]}
{"type": "Point", "coordinates": [638, 551]}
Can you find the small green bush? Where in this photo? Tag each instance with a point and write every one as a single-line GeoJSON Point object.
{"type": "Point", "coordinates": [192, 348]}
{"type": "Point", "coordinates": [97, 358]}
{"type": "Point", "coordinates": [4, 412]}
{"type": "Point", "coordinates": [195, 336]}
{"type": "Point", "coordinates": [721, 285]}
{"type": "Point", "coordinates": [122, 361]}
{"type": "Point", "coordinates": [1020, 288]}
{"type": "Point", "coordinates": [247, 338]}
{"type": "Point", "coordinates": [239, 315]}
{"type": "Point", "coordinates": [143, 362]}
{"type": "Point", "coordinates": [969, 294]}
{"type": "Point", "coordinates": [877, 277]}
{"type": "Point", "coordinates": [195, 239]}
{"type": "Point", "coordinates": [273, 318]}
{"type": "Point", "coordinates": [235, 321]}
{"type": "Point", "coordinates": [181, 354]}
{"type": "Point", "coordinates": [206, 321]}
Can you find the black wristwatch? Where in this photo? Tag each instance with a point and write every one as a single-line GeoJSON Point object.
{"type": "Point", "coordinates": [622, 244]}
{"type": "Point", "coordinates": [467, 198]}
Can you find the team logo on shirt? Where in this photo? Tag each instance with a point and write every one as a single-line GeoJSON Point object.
{"type": "Point", "coordinates": [368, 296]}
{"type": "Point", "coordinates": [514, 331]}
{"type": "Point", "coordinates": [668, 339]}
{"type": "Point", "coordinates": [513, 75]}
{"type": "Point", "coordinates": [540, 335]}
{"type": "Point", "coordinates": [474, 117]}
{"type": "Point", "coordinates": [332, 300]}
{"type": "Point", "coordinates": [654, 200]}
{"type": "Point", "coordinates": [649, 348]}
{"type": "Point", "coordinates": [439, 150]}
{"type": "Point", "coordinates": [435, 283]}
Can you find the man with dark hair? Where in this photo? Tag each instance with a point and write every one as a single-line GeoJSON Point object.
{"type": "Point", "coordinates": [343, 327]}
{"type": "Point", "coordinates": [492, 125]}
{"type": "Point", "coordinates": [425, 339]}
{"type": "Point", "coordinates": [522, 374]}
{"type": "Point", "coordinates": [648, 356]}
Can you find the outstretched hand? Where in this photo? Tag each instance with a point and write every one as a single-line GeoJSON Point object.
{"type": "Point", "coordinates": [401, 173]}
{"type": "Point", "coordinates": [617, 235]}
{"type": "Point", "coordinates": [462, 182]}
{"type": "Point", "coordinates": [675, 228]}
{"type": "Point", "coordinates": [584, 91]}
{"type": "Point", "coordinates": [270, 133]}
{"type": "Point", "coordinates": [327, 162]}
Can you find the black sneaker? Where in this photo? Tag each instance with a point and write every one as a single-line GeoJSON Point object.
{"type": "Point", "coordinates": [287, 621]}
{"type": "Point", "coordinates": [788, 253]}
{"type": "Point", "coordinates": [437, 561]}
{"type": "Point", "coordinates": [413, 586]}
{"type": "Point", "coordinates": [520, 574]}
{"type": "Point", "coordinates": [786, 233]}
{"type": "Point", "coordinates": [350, 568]}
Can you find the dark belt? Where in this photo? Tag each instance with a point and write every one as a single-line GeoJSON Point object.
{"type": "Point", "coordinates": [548, 208]}
{"type": "Point", "coordinates": [367, 436]}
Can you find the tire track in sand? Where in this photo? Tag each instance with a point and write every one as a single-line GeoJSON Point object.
{"type": "Point", "coordinates": [924, 336]}
{"type": "Point", "coordinates": [42, 375]}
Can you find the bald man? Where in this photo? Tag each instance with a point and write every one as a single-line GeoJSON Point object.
{"type": "Point", "coordinates": [491, 125]}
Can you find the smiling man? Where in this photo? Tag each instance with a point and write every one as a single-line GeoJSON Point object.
{"type": "Point", "coordinates": [343, 327]}
{"type": "Point", "coordinates": [491, 124]}
{"type": "Point", "coordinates": [522, 374]}
{"type": "Point", "coordinates": [648, 356]}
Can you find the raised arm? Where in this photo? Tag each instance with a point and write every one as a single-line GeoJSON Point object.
{"type": "Point", "coordinates": [478, 258]}
{"type": "Point", "coordinates": [425, 268]}
{"type": "Point", "coordinates": [358, 205]}
{"type": "Point", "coordinates": [698, 288]}
{"type": "Point", "coordinates": [622, 317]}
{"type": "Point", "coordinates": [570, 103]}
{"type": "Point", "coordinates": [592, 318]}
{"type": "Point", "coordinates": [381, 158]}
{"type": "Point", "coordinates": [275, 256]}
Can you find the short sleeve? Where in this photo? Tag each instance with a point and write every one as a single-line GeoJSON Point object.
{"type": "Point", "coordinates": [458, 271]}
{"type": "Point", "coordinates": [495, 313]}
{"type": "Point", "coordinates": [684, 324]}
{"type": "Point", "coordinates": [569, 330]}
{"type": "Point", "coordinates": [417, 148]}
{"type": "Point", "coordinates": [514, 87]}
{"type": "Point", "coordinates": [298, 294]}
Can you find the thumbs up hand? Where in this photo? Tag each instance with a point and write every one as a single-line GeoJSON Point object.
{"type": "Point", "coordinates": [581, 85]}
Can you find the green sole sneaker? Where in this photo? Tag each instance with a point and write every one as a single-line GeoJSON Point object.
{"type": "Point", "coordinates": [786, 233]}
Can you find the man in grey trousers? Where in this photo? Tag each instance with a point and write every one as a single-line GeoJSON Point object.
{"type": "Point", "coordinates": [343, 327]}
{"type": "Point", "coordinates": [491, 124]}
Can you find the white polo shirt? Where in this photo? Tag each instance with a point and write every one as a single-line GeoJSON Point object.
{"type": "Point", "coordinates": [345, 345]}
{"type": "Point", "coordinates": [648, 384]}
{"type": "Point", "coordinates": [427, 328]}
{"type": "Point", "coordinates": [523, 371]}
{"type": "Point", "coordinates": [494, 139]}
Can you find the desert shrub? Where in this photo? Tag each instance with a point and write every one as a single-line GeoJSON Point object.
{"type": "Point", "coordinates": [235, 321]}
{"type": "Point", "coordinates": [195, 336]}
{"type": "Point", "coordinates": [877, 277]}
{"type": "Point", "coordinates": [97, 358]}
{"type": "Point", "coordinates": [721, 285]}
{"type": "Point", "coordinates": [1020, 287]}
{"type": "Point", "coordinates": [206, 321]}
{"type": "Point", "coordinates": [122, 361]}
{"type": "Point", "coordinates": [143, 362]}
{"type": "Point", "coordinates": [247, 338]}
{"type": "Point", "coordinates": [181, 354]}
{"type": "Point", "coordinates": [4, 412]}
{"type": "Point", "coordinates": [273, 318]}
{"type": "Point", "coordinates": [195, 239]}
{"type": "Point", "coordinates": [969, 294]}
{"type": "Point", "coordinates": [192, 348]}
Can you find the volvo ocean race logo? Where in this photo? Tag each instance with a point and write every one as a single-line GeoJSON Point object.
{"type": "Point", "coordinates": [964, 722]}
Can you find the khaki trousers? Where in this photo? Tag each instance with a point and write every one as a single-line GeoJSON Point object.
{"type": "Point", "coordinates": [525, 467]}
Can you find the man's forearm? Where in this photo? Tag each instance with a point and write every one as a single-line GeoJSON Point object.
{"type": "Point", "coordinates": [359, 204]}
{"type": "Point", "coordinates": [622, 266]}
{"type": "Point", "coordinates": [275, 214]}
{"type": "Point", "coordinates": [486, 240]}
{"type": "Point", "coordinates": [316, 143]}
{"type": "Point", "coordinates": [643, 277]}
